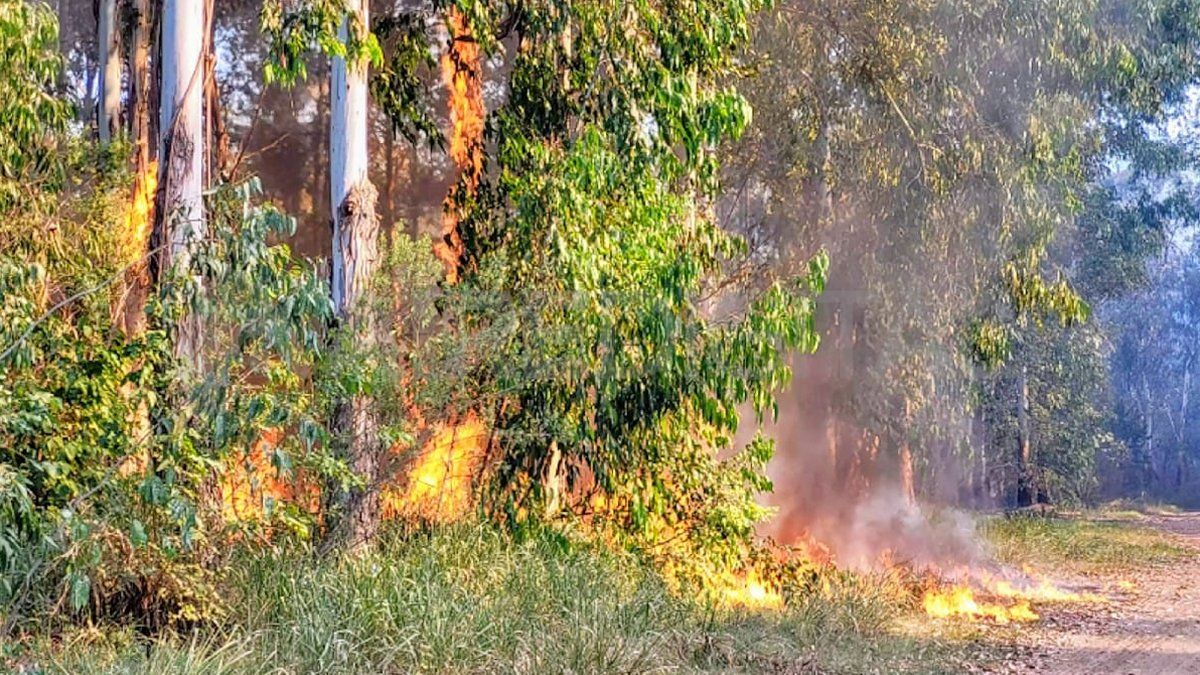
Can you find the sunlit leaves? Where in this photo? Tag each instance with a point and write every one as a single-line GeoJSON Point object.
{"type": "Point", "coordinates": [593, 261]}
{"type": "Point", "coordinates": [30, 113]}
{"type": "Point", "coordinates": [310, 26]}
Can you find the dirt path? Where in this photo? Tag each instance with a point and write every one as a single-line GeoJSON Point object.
{"type": "Point", "coordinates": [1153, 629]}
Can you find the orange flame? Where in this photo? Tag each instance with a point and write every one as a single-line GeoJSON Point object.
{"type": "Point", "coordinates": [438, 487]}
{"type": "Point", "coordinates": [250, 484]}
{"type": "Point", "coordinates": [1024, 587]}
{"type": "Point", "coordinates": [1036, 588]}
{"type": "Point", "coordinates": [749, 591]}
{"type": "Point", "coordinates": [440, 480]}
{"type": "Point", "coordinates": [141, 210]}
{"type": "Point", "coordinates": [464, 80]}
{"type": "Point", "coordinates": [960, 601]}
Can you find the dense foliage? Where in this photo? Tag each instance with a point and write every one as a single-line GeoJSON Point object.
{"type": "Point", "coordinates": [595, 269]}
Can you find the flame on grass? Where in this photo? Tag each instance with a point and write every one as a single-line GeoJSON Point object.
{"type": "Point", "coordinates": [744, 588]}
{"type": "Point", "coordinates": [749, 591]}
{"type": "Point", "coordinates": [960, 601]}
{"type": "Point", "coordinates": [1009, 596]}
{"type": "Point", "coordinates": [1035, 587]}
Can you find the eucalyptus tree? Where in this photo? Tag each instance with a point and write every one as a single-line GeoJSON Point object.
{"type": "Point", "coordinates": [1154, 375]}
{"type": "Point", "coordinates": [179, 215]}
{"type": "Point", "coordinates": [355, 255]}
{"type": "Point", "coordinates": [140, 76]}
{"type": "Point", "coordinates": [181, 122]}
{"type": "Point", "coordinates": [108, 52]}
{"type": "Point", "coordinates": [595, 232]}
{"type": "Point", "coordinates": [343, 30]}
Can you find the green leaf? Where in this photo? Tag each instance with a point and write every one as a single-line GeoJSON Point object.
{"type": "Point", "coordinates": [81, 589]}
{"type": "Point", "coordinates": [137, 534]}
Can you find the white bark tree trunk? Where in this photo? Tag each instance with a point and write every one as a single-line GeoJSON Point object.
{"type": "Point", "coordinates": [355, 259]}
{"type": "Point", "coordinates": [180, 213]}
{"type": "Point", "coordinates": [108, 46]}
{"type": "Point", "coordinates": [181, 121]}
{"type": "Point", "coordinates": [354, 252]}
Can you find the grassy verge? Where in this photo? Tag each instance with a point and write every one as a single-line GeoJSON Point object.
{"type": "Point", "coordinates": [474, 600]}
{"type": "Point", "coordinates": [1080, 544]}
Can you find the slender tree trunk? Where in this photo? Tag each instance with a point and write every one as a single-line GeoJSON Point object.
{"type": "Point", "coordinates": [131, 314]}
{"type": "Point", "coordinates": [908, 481]}
{"type": "Point", "coordinates": [1025, 487]}
{"type": "Point", "coordinates": [1181, 429]}
{"type": "Point", "coordinates": [1148, 471]}
{"type": "Point", "coordinates": [824, 152]}
{"type": "Point", "coordinates": [180, 216]}
{"type": "Point", "coordinates": [983, 493]}
{"type": "Point", "coordinates": [140, 85]}
{"type": "Point", "coordinates": [355, 258]}
{"type": "Point", "coordinates": [220, 159]}
{"type": "Point", "coordinates": [108, 43]}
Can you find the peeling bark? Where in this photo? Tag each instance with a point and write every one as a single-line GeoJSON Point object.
{"type": "Point", "coordinates": [355, 259]}
{"type": "Point", "coordinates": [140, 84]}
{"type": "Point", "coordinates": [220, 168]}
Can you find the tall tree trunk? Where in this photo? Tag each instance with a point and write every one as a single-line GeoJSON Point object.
{"type": "Point", "coordinates": [355, 258]}
{"type": "Point", "coordinates": [220, 159]}
{"type": "Point", "coordinates": [1149, 474]}
{"type": "Point", "coordinates": [1025, 487]}
{"type": "Point", "coordinates": [140, 83]}
{"type": "Point", "coordinates": [1181, 468]}
{"type": "Point", "coordinates": [131, 315]}
{"type": "Point", "coordinates": [180, 216]}
{"type": "Point", "coordinates": [824, 152]}
{"type": "Point", "coordinates": [908, 482]}
{"type": "Point", "coordinates": [108, 43]}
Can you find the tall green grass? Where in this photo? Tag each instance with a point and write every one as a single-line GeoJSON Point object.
{"type": "Point", "coordinates": [472, 599]}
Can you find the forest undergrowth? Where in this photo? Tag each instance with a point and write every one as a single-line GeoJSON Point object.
{"type": "Point", "coordinates": [473, 599]}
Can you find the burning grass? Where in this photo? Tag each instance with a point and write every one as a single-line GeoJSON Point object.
{"type": "Point", "coordinates": [961, 601]}
{"type": "Point", "coordinates": [471, 598]}
{"type": "Point", "coordinates": [999, 594]}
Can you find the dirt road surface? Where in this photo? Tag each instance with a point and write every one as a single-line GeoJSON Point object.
{"type": "Point", "coordinates": [1151, 628]}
